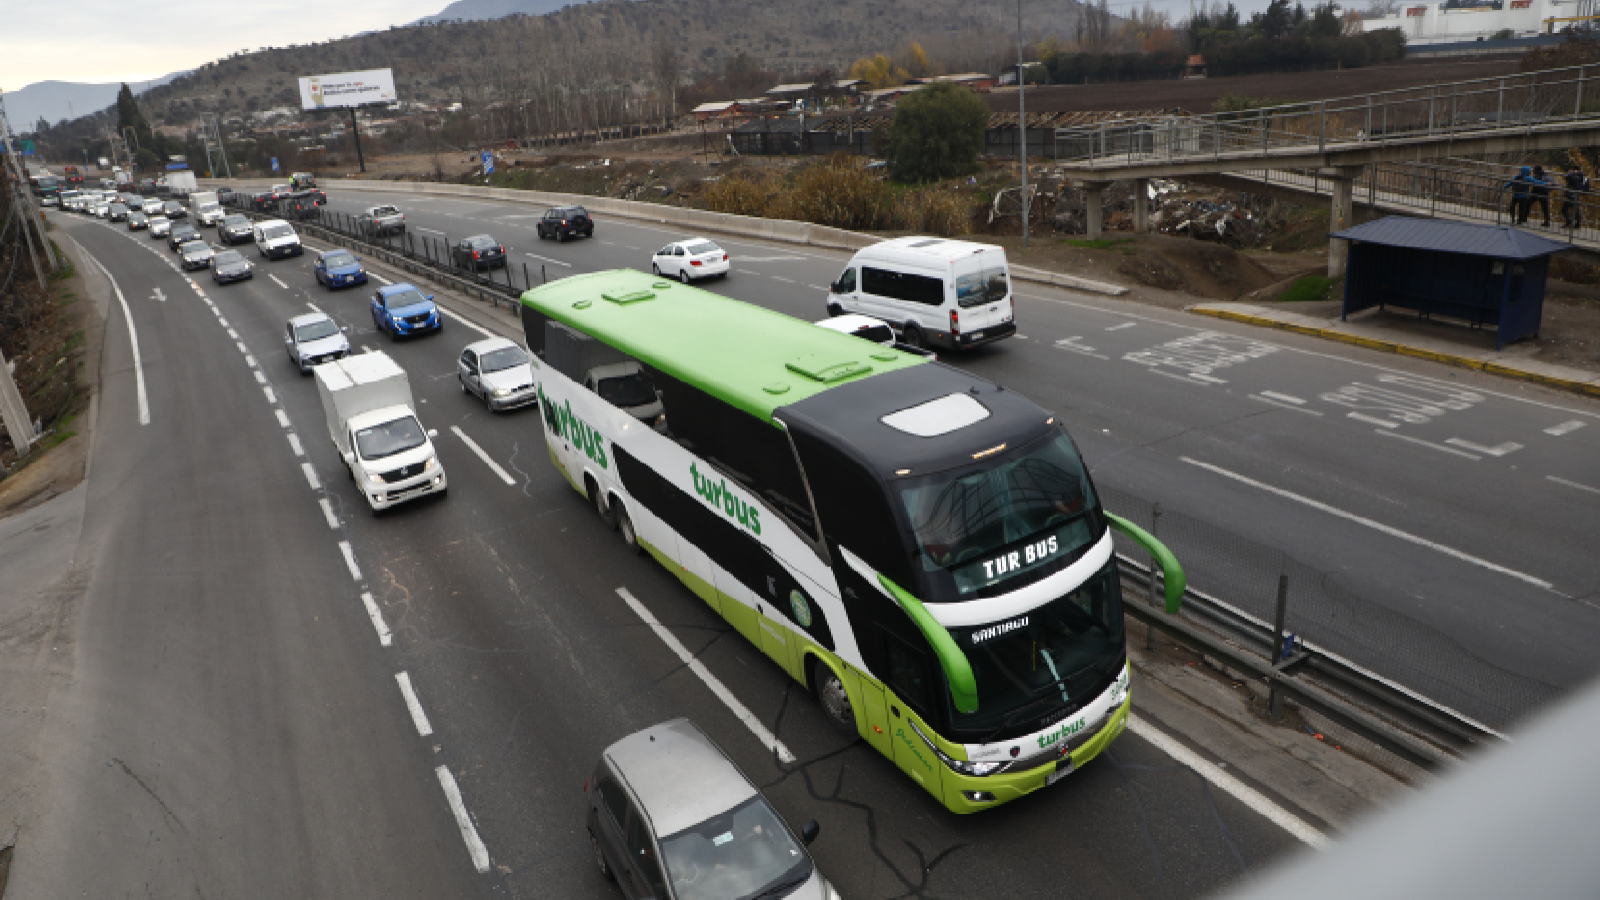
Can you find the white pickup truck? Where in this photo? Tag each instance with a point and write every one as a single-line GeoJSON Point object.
{"type": "Point", "coordinates": [372, 420]}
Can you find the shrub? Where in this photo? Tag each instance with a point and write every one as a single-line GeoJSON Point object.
{"type": "Point", "coordinates": [936, 133]}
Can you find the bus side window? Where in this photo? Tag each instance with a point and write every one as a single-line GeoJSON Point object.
{"type": "Point", "coordinates": [908, 673]}
{"type": "Point", "coordinates": [854, 509]}
{"type": "Point", "coordinates": [533, 323]}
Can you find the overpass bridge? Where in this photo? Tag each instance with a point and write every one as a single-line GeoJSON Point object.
{"type": "Point", "coordinates": [1338, 139]}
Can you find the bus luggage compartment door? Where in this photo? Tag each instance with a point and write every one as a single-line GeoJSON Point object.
{"type": "Point", "coordinates": [874, 714]}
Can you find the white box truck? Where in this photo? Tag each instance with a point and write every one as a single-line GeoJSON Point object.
{"type": "Point", "coordinates": [367, 401]}
{"type": "Point", "coordinates": [180, 184]}
{"type": "Point", "coordinates": [204, 208]}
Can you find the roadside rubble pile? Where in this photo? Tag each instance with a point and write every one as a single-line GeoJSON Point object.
{"type": "Point", "coordinates": [1235, 219]}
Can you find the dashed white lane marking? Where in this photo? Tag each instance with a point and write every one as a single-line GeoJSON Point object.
{"type": "Point", "coordinates": [1422, 443]}
{"type": "Point", "coordinates": [1369, 523]}
{"type": "Point", "coordinates": [294, 441]}
{"type": "Point", "coordinates": [1129, 325]}
{"type": "Point", "coordinates": [250, 360]}
{"type": "Point", "coordinates": [1283, 398]}
{"type": "Point", "coordinates": [1500, 450]}
{"type": "Point", "coordinates": [607, 244]}
{"type": "Point", "coordinates": [1564, 428]}
{"type": "Point", "coordinates": [260, 378]}
{"type": "Point", "coordinates": [241, 346]}
{"type": "Point", "coordinates": [311, 476]}
{"type": "Point", "coordinates": [381, 278]}
{"type": "Point", "coordinates": [234, 334]}
{"type": "Point", "coordinates": [1207, 378]}
{"type": "Point", "coordinates": [133, 339]}
{"type": "Point", "coordinates": [376, 615]}
{"type": "Point", "coordinates": [283, 418]}
{"type": "Point", "coordinates": [1175, 376]}
{"type": "Point", "coordinates": [271, 397]}
{"type": "Point", "coordinates": [816, 287]}
{"type": "Point", "coordinates": [428, 230]}
{"type": "Point", "coordinates": [1573, 484]}
{"type": "Point", "coordinates": [314, 307]}
{"type": "Point", "coordinates": [1373, 420]}
{"type": "Point", "coordinates": [743, 714]}
{"type": "Point", "coordinates": [548, 259]}
{"type": "Point", "coordinates": [418, 717]}
{"type": "Point", "coordinates": [473, 446]}
{"type": "Point", "coordinates": [1242, 792]}
{"type": "Point", "coordinates": [327, 513]}
{"type": "Point", "coordinates": [781, 278]}
{"type": "Point", "coordinates": [350, 560]}
{"type": "Point", "coordinates": [278, 282]}
{"type": "Point", "coordinates": [469, 832]}
{"type": "Point", "coordinates": [221, 321]}
{"type": "Point", "coordinates": [1072, 344]}
{"type": "Point", "coordinates": [1292, 408]}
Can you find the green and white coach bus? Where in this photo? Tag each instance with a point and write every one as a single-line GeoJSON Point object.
{"type": "Point", "coordinates": [920, 547]}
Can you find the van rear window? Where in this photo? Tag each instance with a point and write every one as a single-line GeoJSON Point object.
{"type": "Point", "coordinates": [902, 286]}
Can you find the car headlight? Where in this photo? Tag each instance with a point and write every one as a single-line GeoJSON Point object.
{"type": "Point", "coordinates": [431, 464]}
{"type": "Point", "coordinates": [502, 392]}
{"type": "Point", "coordinates": [374, 480]}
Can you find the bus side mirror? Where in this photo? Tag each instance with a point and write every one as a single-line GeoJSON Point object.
{"type": "Point", "coordinates": [1171, 572]}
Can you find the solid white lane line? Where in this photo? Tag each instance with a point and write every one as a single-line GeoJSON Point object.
{"type": "Point", "coordinates": [1174, 375]}
{"type": "Point", "coordinates": [548, 259]}
{"type": "Point", "coordinates": [1373, 420]}
{"type": "Point", "coordinates": [1564, 428]}
{"type": "Point", "coordinates": [473, 446]}
{"type": "Point", "coordinates": [743, 714]}
{"type": "Point", "coordinates": [1283, 398]}
{"type": "Point", "coordinates": [1419, 441]}
{"type": "Point", "coordinates": [295, 443]}
{"type": "Point", "coordinates": [314, 307]}
{"type": "Point", "coordinates": [1573, 484]}
{"type": "Point", "coordinates": [1240, 791]}
{"type": "Point", "coordinates": [459, 320]}
{"type": "Point", "coordinates": [469, 832]}
{"type": "Point", "coordinates": [1291, 408]}
{"type": "Point", "coordinates": [277, 282]}
{"type": "Point", "coordinates": [311, 476]}
{"type": "Point", "coordinates": [271, 397]}
{"type": "Point", "coordinates": [327, 512]}
{"type": "Point", "coordinates": [283, 418]}
{"type": "Point", "coordinates": [1122, 326]}
{"type": "Point", "coordinates": [1501, 450]}
{"type": "Point", "coordinates": [1369, 523]}
{"type": "Point", "coordinates": [418, 717]}
{"type": "Point", "coordinates": [350, 560]}
{"type": "Point", "coordinates": [133, 338]}
{"type": "Point", "coordinates": [376, 615]}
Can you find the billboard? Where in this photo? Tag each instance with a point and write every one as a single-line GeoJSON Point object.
{"type": "Point", "coordinates": [345, 89]}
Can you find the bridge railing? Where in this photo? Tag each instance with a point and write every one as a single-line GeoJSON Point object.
{"type": "Point", "coordinates": [1431, 111]}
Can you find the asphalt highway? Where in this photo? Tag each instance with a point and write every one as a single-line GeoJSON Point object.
{"type": "Point", "coordinates": [1462, 507]}
{"type": "Point", "coordinates": [280, 695]}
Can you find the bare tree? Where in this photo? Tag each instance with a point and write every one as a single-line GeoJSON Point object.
{"type": "Point", "coordinates": [668, 70]}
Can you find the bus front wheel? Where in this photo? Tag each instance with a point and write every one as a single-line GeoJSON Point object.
{"type": "Point", "coordinates": [833, 698]}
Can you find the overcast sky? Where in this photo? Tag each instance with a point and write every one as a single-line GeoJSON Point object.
{"type": "Point", "coordinates": [105, 41]}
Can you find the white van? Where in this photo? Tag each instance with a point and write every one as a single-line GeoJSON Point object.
{"type": "Point", "coordinates": [937, 292]}
{"type": "Point", "coordinates": [275, 238]}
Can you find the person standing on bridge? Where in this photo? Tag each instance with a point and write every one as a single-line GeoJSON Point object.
{"type": "Point", "coordinates": [1540, 192]}
{"type": "Point", "coordinates": [1520, 204]}
{"type": "Point", "coordinates": [1572, 203]}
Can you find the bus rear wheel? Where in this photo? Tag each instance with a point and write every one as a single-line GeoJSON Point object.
{"type": "Point", "coordinates": [833, 698]}
{"type": "Point", "coordinates": [607, 512]}
{"type": "Point", "coordinates": [625, 525]}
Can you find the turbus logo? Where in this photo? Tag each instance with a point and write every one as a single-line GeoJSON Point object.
{"type": "Point", "coordinates": [568, 426]}
{"type": "Point", "coordinates": [715, 491]}
{"type": "Point", "coordinates": [1065, 731]}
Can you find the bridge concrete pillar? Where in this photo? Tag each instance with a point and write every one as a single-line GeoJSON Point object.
{"type": "Point", "coordinates": [1141, 206]}
{"type": "Point", "coordinates": [1341, 215]}
{"type": "Point", "coordinates": [1094, 209]}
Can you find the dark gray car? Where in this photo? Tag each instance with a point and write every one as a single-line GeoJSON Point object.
{"type": "Point", "coordinates": [671, 817]}
{"type": "Point", "coordinates": [230, 265]}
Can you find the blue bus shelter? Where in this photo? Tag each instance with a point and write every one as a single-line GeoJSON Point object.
{"type": "Point", "coordinates": [1484, 274]}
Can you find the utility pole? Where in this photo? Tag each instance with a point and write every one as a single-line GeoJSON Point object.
{"type": "Point", "coordinates": [1022, 126]}
{"type": "Point", "coordinates": [355, 132]}
{"type": "Point", "coordinates": [44, 258]}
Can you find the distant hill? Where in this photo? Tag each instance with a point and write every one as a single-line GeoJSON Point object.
{"type": "Point", "coordinates": [57, 100]}
{"type": "Point", "coordinates": [477, 10]}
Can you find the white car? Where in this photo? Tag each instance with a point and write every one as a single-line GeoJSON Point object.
{"type": "Point", "coordinates": [499, 372]}
{"type": "Point", "coordinates": [313, 339]}
{"type": "Point", "coordinates": [160, 226]}
{"type": "Point", "coordinates": [102, 209]}
{"type": "Point", "coordinates": [869, 329]}
{"type": "Point", "coordinates": [690, 260]}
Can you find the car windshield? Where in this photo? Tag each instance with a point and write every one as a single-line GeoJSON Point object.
{"type": "Point", "coordinates": [210, 207]}
{"type": "Point", "coordinates": [990, 524]}
{"type": "Point", "coordinates": [402, 299]}
{"type": "Point", "coordinates": [315, 331]}
{"type": "Point", "coordinates": [1054, 655]}
{"type": "Point", "coordinates": [338, 258]}
{"type": "Point", "coordinates": [738, 854]}
{"type": "Point", "coordinates": [574, 212]}
{"type": "Point", "coordinates": [136, 216]}
{"type": "Point", "coordinates": [504, 358]}
{"type": "Point", "coordinates": [229, 256]}
{"type": "Point", "coordinates": [195, 248]}
{"type": "Point", "coordinates": [236, 220]}
{"type": "Point", "coordinates": [703, 247]}
{"type": "Point", "coordinates": [184, 233]}
{"type": "Point", "coordinates": [985, 282]}
{"type": "Point", "coordinates": [385, 211]}
{"type": "Point", "coordinates": [627, 391]}
{"type": "Point", "coordinates": [389, 438]}
{"type": "Point", "coordinates": [272, 232]}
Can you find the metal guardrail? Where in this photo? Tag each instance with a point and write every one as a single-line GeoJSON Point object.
{"type": "Point", "coordinates": [1502, 104]}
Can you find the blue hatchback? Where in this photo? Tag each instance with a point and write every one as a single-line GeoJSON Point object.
{"type": "Point", "coordinates": [401, 310]}
{"type": "Point", "coordinates": [339, 268]}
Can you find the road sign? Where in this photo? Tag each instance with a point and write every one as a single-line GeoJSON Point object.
{"type": "Point", "coordinates": [488, 163]}
{"type": "Point", "coordinates": [274, 164]}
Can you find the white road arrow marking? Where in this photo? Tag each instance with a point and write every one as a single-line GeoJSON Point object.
{"type": "Point", "coordinates": [160, 296]}
{"type": "Point", "coordinates": [1501, 450]}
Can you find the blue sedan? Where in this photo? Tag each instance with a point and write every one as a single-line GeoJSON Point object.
{"type": "Point", "coordinates": [338, 268]}
{"type": "Point", "coordinates": [402, 310]}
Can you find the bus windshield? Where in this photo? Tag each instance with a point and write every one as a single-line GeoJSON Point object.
{"type": "Point", "coordinates": [1022, 513]}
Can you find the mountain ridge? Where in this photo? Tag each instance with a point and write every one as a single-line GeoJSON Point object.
{"type": "Point", "coordinates": [50, 99]}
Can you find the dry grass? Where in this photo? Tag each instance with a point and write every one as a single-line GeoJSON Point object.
{"type": "Point", "coordinates": [841, 193]}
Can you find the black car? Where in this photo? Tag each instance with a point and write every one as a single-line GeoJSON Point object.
{"type": "Point", "coordinates": [181, 233]}
{"type": "Point", "coordinates": [230, 265]}
{"type": "Point", "coordinates": [478, 252]}
{"type": "Point", "coordinates": [300, 205]}
{"type": "Point", "coordinates": [263, 201]}
{"type": "Point", "coordinates": [118, 212]}
{"type": "Point", "coordinates": [564, 222]}
{"type": "Point", "coordinates": [195, 254]}
{"type": "Point", "coordinates": [225, 196]}
{"type": "Point", "coordinates": [235, 229]}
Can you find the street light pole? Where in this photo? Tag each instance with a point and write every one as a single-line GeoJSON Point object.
{"type": "Point", "coordinates": [1022, 126]}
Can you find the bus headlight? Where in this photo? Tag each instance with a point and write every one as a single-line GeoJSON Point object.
{"type": "Point", "coordinates": [961, 766]}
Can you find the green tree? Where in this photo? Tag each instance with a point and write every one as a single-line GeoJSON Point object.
{"type": "Point", "coordinates": [129, 116]}
{"type": "Point", "coordinates": [936, 132]}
